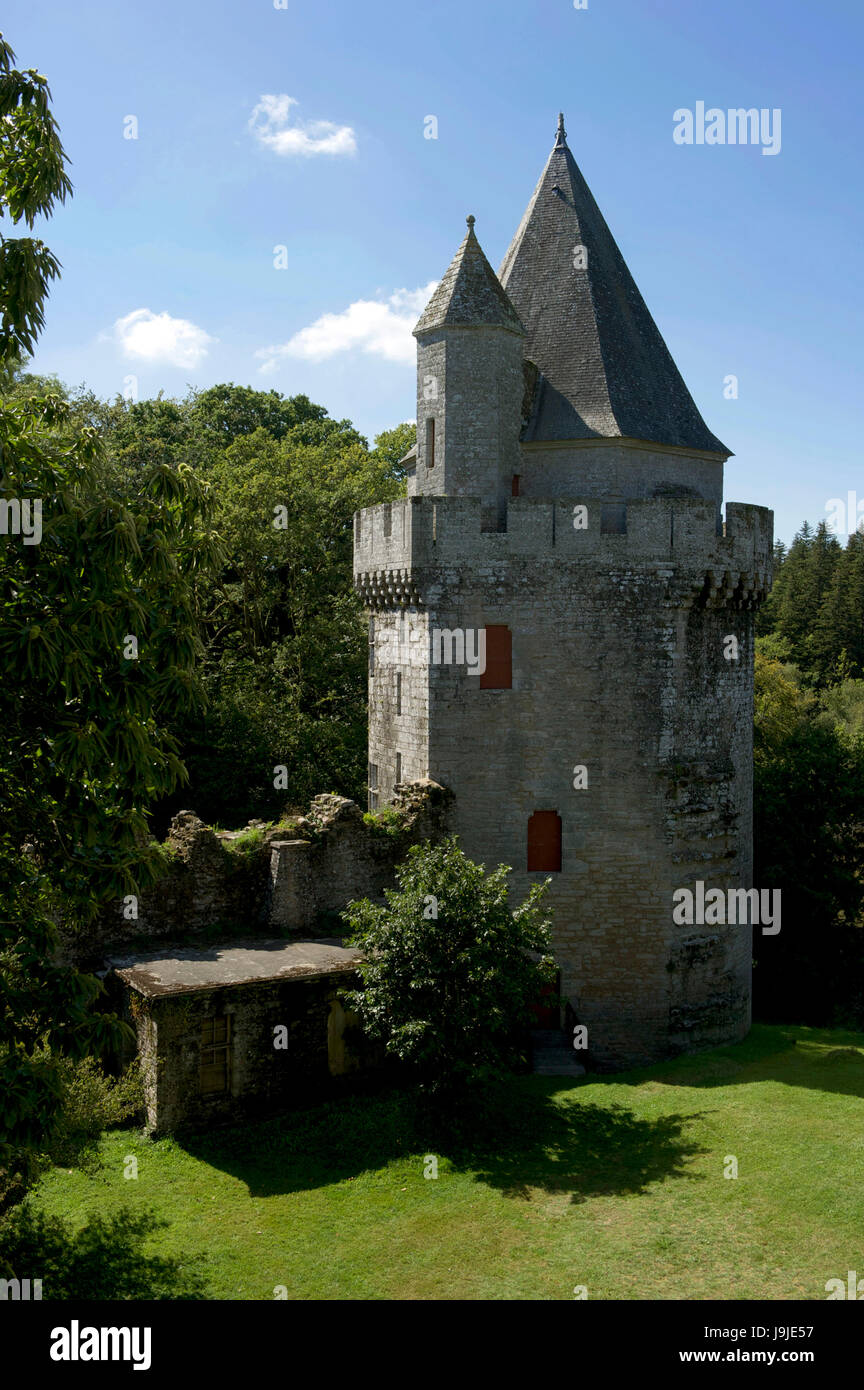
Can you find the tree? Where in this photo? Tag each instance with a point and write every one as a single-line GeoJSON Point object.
{"type": "Point", "coordinates": [780, 707]}
{"type": "Point", "coordinates": [766, 614]}
{"type": "Point", "coordinates": [800, 586]}
{"type": "Point", "coordinates": [843, 709]}
{"type": "Point", "coordinates": [393, 445]}
{"type": "Point", "coordinates": [285, 667]}
{"type": "Point", "coordinates": [98, 645]}
{"type": "Point", "coordinates": [450, 972]}
{"type": "Point", "coordinates": [809, 842]}
{"type": "Point", "coordinates": [32, 179]}
{"type": "Point", "coordinates": [223, 414]}
{"type": "Point", "coordinates": [838, 632]}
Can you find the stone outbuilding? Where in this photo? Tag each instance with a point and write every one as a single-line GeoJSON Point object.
{"type": "Point", "coordinates": [248, 1028]}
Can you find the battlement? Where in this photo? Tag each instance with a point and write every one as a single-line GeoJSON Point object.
{"type": "Point", "coordinates": [425, 533]}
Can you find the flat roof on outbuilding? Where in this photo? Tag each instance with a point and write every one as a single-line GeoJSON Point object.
{"type": "Point", "coordinates": [181, 971]}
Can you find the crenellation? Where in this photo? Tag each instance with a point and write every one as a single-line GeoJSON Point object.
{"type": "Point", "coordinates": [401, 543]}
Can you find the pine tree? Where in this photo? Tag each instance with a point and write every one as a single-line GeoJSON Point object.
{"type": "Point", "coordinates": [804, 580]}
{"type": "Point", "coordinates": [838, 634]}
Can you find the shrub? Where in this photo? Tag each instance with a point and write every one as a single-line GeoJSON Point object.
{"type": "Point", "coordinates": [92, 1102]}
{"type": "Point", "coordinates": [387, 822]}
{"type": "Point", "coordinates": [103, 1260]}
{"type": "Point", "coordinates": [451, 973]}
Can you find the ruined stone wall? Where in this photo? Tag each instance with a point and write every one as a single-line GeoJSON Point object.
{"type": "Point", "coordinates": [347, 858]}
{"type": "Point", "coordinates": [291, 878]}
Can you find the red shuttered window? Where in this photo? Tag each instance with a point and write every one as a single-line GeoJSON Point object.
{"type": "Point", "coordinates": [544, 843]}
{"type": "Point", "coordinates": [499, 659]}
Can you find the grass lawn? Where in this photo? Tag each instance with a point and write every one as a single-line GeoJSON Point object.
{"type": "Point", "coordinates": [615, 1183]}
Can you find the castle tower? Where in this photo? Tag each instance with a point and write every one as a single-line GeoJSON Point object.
{"type": "Point", "coordinates": [565, 512]}
{"type": "Point", "coordinates": [469, 386]}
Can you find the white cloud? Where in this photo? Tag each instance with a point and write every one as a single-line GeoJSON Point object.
{"type": "Point", "coordinates": [160, 338]}
{"type": "Point", "coordinates": [269, 123]}
{"type": "Point", "coordinates": [382, 328]}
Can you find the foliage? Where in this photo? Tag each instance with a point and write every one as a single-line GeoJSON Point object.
{"type": "Point", "coordinates": [92, 1102]}
{"type": "Point", "coordinates": [809, 780]}
{"type": "Point", "coordinates": [816, 609]}
{"type": "Point", "coordinates": [32, 179]}
{"type": "Point", "coordinates": [842, 708]}
{"type": "Point", "coordinates": [223, 414]}
{"type": "Point", "coordinates": [781, 706]}
{"type": "Point", "coordinates": [283, 647]}
{"type": "Point", "coordinates": [248, 841]}
{"type": "Point", "coordinates": [393, 445]}
{"type": "Point", "coordinates": [285, 643]}
{"type": "Point", "coordinates": [103, 1260]}
{"type": "Point", "coordinates": [449, 994]}
{"type": "Point", "coordinates": [86, 744]}
{"type": "Point", "coordinates": [387, 822]}
{"type": "Point", "coordinates": [809, 844]}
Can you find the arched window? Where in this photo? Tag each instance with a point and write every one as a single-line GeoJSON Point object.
{"type": "Point", "coordinates": [499, 659]}
{"type": "Point", "coordinates": [544, 843]}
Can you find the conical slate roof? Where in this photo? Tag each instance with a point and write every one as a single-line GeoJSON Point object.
{"type": "Point", "coordinates": [470, 295]}
{"type": "Point", "coordinates": [605, 369]}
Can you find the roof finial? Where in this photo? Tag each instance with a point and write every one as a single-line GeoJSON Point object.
{"type": "Point", "coordinates": [561, 134]}
{"type": "Point", "coordinates": [470, 219]}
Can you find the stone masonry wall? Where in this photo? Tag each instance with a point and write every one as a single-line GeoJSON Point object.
{"type": "Point", "coordinates": [323, 1042]}
{"type": "Point", "coordinates": [613, 468]}
{"type": "Point", "coordinates": [618, 666]}
{"type": "Point", "coordinates": [295, 879]}
{"type": "Point", "coordinates": [470, 380]}
{"type": "Point", "coordinates": [398, 543]}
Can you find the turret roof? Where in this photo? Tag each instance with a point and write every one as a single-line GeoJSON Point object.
{"type": "Point", "coordinates": [470, 294]}
{"type": "Point", "coordinates": [605, 369]}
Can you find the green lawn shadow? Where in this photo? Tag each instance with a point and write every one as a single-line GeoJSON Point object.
{"type": "Point", "coordinates": [532, 1133]}
{"type": "Point", "coordinates": [830, 1060]}
{"type": "Point", "coordinates": [524, 1136]}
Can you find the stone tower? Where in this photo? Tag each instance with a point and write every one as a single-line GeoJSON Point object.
{"type": "Point", "coordinates": [564, 511]}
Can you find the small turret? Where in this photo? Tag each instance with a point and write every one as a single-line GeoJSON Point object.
{"type": "Point", "coordinates": [470, 386]}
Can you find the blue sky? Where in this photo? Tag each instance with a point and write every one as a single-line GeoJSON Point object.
{"type": "Point", "coordinates": [303, 127]}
